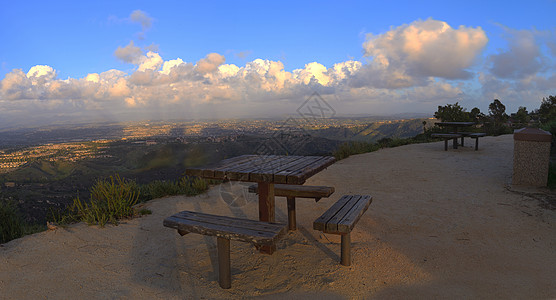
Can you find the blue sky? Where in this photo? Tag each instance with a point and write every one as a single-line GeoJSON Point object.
{"type": "Point", "coordinates": [120, 60]}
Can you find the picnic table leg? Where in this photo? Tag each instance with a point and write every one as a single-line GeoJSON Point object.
{"type": "Point", "coordinates": [476, 144]}
{"type": "Point", "coordinates": [224, 268]}
{"type": "Point", "coordinates": [266, 210]}
{"type": "Point", "coordinates": [455, 143]}
{"type": "Point", "coordinates": [291, 214]}
{"type": "Point", "coordinates": [445, 144]}
{"type": "Point", "coordinates": [462, 141]}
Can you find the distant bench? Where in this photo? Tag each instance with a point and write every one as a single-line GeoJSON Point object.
{"type": "Point", "coordinates": [226, 229]}
{"type": "Point", "coordinates": [455, 136]}
{"type": "Point", "coordinates": [476, 136]}
{"type": "Point", "coordinates": [291, 191]}
{"type": "Point", "coordinates": [447, 137]}
{"type": "Point", "coordinates": [340, 219]}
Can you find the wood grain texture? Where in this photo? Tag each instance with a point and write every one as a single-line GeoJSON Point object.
{"type": "Point", "coordinates": [342, 216]}
{"type": "Point", "coordinates": [252, 231]}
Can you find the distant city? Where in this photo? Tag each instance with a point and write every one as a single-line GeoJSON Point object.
{"type": "Point", "coordinates": [71, 143]}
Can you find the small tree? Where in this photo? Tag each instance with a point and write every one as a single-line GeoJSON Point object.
{"type": "Point", "coordinates": [497, 112]}
{"type": "Point", "coordinates": [497, 118]}
{"type": "Point", "coordinates": [547, 111]}
{"type": "Point", "coordinates": [522, 116]}
{"type": "Point", "coordinates": [451, 113]}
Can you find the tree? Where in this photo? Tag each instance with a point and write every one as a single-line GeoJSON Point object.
{"type": "Point", "coordinates": [451, 113]}
{"type": "Point", "coordinates": [476, 115]}
{"type": "Point", "coordinates": [522, 116]}
{"type": "Point", "coordinates": [547, 111]}
{"type": "Point", "coordinates": [497, 112]}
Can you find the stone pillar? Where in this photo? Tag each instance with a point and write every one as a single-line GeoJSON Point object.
{"type": "Point", "coordinates": [531, 156]}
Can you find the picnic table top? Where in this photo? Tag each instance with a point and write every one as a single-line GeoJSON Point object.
{"type": "Point", "coordinates": [288, 169]}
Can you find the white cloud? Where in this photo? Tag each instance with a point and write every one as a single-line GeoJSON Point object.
{"type": "Point", "coordinates": [170, 64]}
{"type": "Point", "coordinates": [523, 58]}
{"type": "Point", "coordinates": [152, 61]}
{"type": "Point", "coordinates": [426, 48]}
{"type": "Point", "coordinates": [38, 71]}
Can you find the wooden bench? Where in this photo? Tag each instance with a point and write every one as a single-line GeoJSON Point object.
{"type": "Point", "coordinates": [340, 219]}
{"type": "Point", "coordinates": [447, 137]}
{"type": "Point", "coordinates": [476, 136]}
{"type": "Point", "coordinates": [291, 191]}
{"type": "Point", "coordinates": [226, 229]}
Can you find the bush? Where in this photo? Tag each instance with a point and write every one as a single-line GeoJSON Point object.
{"type": "Point", "coordinates": [186, 185]}
{"type": "Point", "coordinates": [111, 200]}
{"type": "Point", "coordinates": [12, 225]}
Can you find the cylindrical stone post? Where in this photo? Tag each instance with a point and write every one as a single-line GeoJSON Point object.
{"type": "Point", "coordinates": [531, 157]}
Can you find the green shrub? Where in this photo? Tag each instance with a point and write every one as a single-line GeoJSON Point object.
{"type": "Point", "coordinates": [12, 225]}
{"type": "Point", "coordinates": [186, 185]}
{"type": "Point", "coordinates": [111, 200]}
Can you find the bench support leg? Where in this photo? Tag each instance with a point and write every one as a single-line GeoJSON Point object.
{"type": "Point", "coordinates": [291, 214]}
{"type": "Point", "coordinates": [224, 269]}
{"type": "Point", "coordinates": [346, 250]}
{"type": "Point", "coordinates": [476, 144]}
{"type": "Point", "coordinates": [462, 141]}
{"type": "Point", "coordinates": [455, 143]}
{"type": "Point", "coordinates": [446, 145]}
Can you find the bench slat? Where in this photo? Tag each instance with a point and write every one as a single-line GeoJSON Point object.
{"type": "Point", "coordinates": [349, 202]}
{"type": "Point", "coordinates": [353, 216]}
{"type": "Point", "coordinates": [320, 223]}
{"type": "Point", "coordinates": [301, 191]}
{"type": "Point", "coordinates": [256, 232]}
{"type": "Point", "coordinates": [341, 217]}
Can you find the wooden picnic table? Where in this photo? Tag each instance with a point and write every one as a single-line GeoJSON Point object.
{"type": "Point", "coordinates": [455, 126]}
{"type": "Point", "coordinates": [265, 170]}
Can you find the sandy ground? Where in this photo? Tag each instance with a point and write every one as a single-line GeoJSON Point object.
{"type": "Point", "coordinates": [441, 225]}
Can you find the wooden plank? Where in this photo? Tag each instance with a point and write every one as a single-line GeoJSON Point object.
{"type": "Point", "coordinates": [323, 165]}
{"type": "Point", "coordinates": [226, 227]}
{"type": "Point", "coordinates": [281, 176]}
{"type": "Point", "coordinates": [229, 163]}
{"type": "Point", "coordinates": [320, 223]}
{"type": "Point", "coordinates": [256, 163]}
{"type": "Point", "coordinates": [208, 171]}
{"type": "Point", "coordinates": [225, 220]}
{"type": "Point", "coordinates": [332, 224]}
{"type": "Point", "coordinates": [299, 191]}
{"type": "Point", "coordinates": [352, 217]}
{"type": "Point", "coordinates": [267, 172]}
{"type": "Point", "coordinates": [292, 176]}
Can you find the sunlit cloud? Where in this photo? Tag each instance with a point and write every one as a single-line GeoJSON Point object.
{"type": "Point", "coordinates": [423, 49]}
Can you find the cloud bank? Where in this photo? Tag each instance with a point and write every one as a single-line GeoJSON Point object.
{"type": "Point", "coordinates": [411, 68]}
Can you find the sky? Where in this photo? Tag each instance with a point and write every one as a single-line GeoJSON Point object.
{"type": "Point", "coordinates": [83, 61]}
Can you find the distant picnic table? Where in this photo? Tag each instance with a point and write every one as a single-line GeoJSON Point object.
{"type": "Point", "coordinates": [454, 134]}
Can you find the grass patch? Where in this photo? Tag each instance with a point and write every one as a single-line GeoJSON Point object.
{"type": "Point", "coordinates": [113, 199]}
{"type": "Point", "coordinates": [12, 225]}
